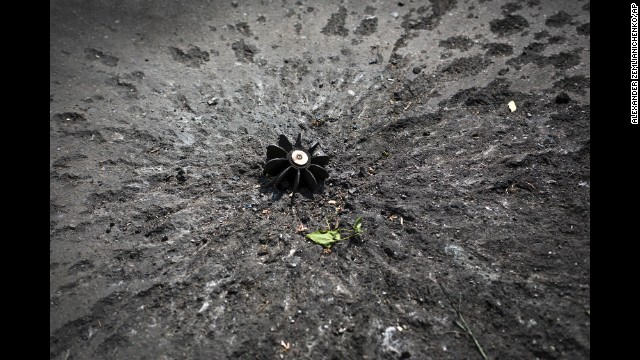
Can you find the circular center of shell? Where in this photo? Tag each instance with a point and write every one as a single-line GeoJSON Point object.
{"type": "Point", "coordinates": [299, 157]}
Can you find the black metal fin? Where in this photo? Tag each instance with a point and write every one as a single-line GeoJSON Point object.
{"type": "Point", "coordinates": [318, 172]}
{"type": "Point", "coordinates": [285, 143]}
{"type": "Point", "coordinates": [309, 180]}
{"type": "Point", "coordinates": [296, 180]}
{"type": "Point", "coordinates": [275, 181]}
{"type": "Point", "coordinates": [299, 141]}
{"type": "Point", "coordinates": [275, 151]}
{"type": "Point", "coordinates": [313, 148]}
{"type": "Point", "coordinates": [274, 166]}
{"type": "Point", "coordinates": [321, 160]}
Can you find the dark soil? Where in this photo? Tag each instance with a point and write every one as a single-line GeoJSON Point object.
{"type": "Point", "coordinates": [509, 25]}
{"type": "Point", "coordinates": [498, 49]}
{"type": "Point", "coordinates": [558, 20]}
{"type": "Point", "coordinates": [194, 57]}
{"type": "Point", "coordinates": [164, 244]}
{"type": "Point", "coordinates": [463, 43]}
{"type": "Point", "coordinates": [367, 26]}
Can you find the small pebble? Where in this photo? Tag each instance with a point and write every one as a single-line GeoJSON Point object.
{"type": "Point", "coordinates": [562, 98]}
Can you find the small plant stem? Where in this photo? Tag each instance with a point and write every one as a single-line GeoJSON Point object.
{"type": "Point", "coordinates": [463, 323]}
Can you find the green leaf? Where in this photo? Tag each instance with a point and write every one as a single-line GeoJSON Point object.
{"type": "Point", "coordinates": [357, 226]}
{"type": "Point", "coordinates": [325, 238]}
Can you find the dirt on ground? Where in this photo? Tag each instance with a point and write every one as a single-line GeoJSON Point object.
{"type": "Point", "coordinates": [165, 245]}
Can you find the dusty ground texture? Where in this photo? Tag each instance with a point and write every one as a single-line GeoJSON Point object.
{"type": "Point", "coordinates": [164, 246]}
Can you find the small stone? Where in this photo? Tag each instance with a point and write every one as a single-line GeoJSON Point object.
{"type": "Point", "coordinates": [562, 98]}
{"type": "Point", "coordinates": [181, 176]}
{"type": "Point", "coordinates": [416, 70]}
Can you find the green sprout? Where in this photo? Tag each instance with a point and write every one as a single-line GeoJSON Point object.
{"type": "Point", "coordinates": [327, 238]}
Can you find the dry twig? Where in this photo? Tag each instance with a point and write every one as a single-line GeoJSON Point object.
{"type": "Point", "coordinates": [462, 324]}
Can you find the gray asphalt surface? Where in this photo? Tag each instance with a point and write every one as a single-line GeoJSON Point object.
{"type": "Point", "coordinates": [163, 244]}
